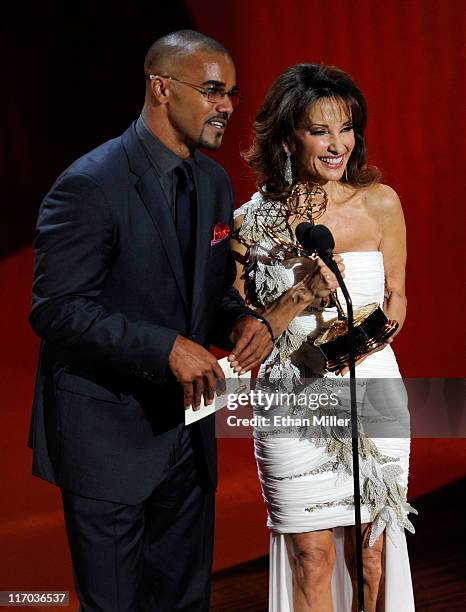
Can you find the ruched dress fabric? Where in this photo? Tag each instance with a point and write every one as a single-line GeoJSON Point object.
{"type": "Point", "coordinates": [307, 483]}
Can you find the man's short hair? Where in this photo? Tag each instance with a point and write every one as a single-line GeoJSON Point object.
{"type": "Point", "coordinates": [176, 44]}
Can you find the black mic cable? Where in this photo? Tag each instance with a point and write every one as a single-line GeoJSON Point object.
{"type": "Point", "coordinates": [319, 239]}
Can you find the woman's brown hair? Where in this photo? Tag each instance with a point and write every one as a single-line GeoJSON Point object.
{"type": "Point", "coordinates": [286, 107]}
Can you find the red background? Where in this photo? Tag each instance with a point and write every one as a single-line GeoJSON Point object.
{"type": "Point", "coordinates": [406, 57]}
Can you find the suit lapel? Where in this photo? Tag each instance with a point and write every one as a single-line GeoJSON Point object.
{"type": "Point", "coordinates": [151, 193]}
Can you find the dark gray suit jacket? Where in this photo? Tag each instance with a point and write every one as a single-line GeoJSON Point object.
{"type": "Point", "coordinates": [109, 299]}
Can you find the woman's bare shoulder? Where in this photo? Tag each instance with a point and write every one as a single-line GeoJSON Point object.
{"type": "Point", "coordinates": [382, 200]}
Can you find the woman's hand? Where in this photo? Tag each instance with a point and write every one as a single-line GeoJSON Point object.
{"type": "Point", "coordinates": [320, 283]}
{"type": "Point", "coordinates": [324, 280]}
{"type": "Point", "coordinates": [345, 369]}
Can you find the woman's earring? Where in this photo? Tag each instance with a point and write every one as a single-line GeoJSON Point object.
{"type": "Point", "coordinates": [346, 174]}
{"type": "Point", "coordinates": [288, 173]}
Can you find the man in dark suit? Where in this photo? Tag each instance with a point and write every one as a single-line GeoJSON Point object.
{"type": "Point", "coordinates": [132, 283]}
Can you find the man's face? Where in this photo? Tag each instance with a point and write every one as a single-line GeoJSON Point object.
{"type": "Point", "coordinates": [197, 121]}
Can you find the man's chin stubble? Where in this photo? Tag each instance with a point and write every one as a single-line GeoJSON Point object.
{"type": "Point", "coordinates": [210, 146]}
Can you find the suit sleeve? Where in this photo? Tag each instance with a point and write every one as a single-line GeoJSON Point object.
{"type": "Point", "coordinates": [73, 250]}
{"type": "Point", "coordinates": [232, 307]}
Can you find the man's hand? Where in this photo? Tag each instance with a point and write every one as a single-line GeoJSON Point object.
{"type": "Point", "coordinates": [196, 369]}
{"type": "Point", "coordinates": [252, 341]}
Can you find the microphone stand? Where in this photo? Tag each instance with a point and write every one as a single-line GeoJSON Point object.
{"type": "Point", "coordinates": [328, 259]}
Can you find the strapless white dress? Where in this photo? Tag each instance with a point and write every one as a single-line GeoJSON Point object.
{"type": "Point", "coordinates": [307, 484]}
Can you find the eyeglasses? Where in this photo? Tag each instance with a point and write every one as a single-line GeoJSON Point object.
{"type": "Point", "coordinates": [213, 93]}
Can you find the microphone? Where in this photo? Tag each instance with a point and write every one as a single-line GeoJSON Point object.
{"type": "Point", "coordinates": [316, 238]}
{"type": "Point", "coordinates": [319, 239]}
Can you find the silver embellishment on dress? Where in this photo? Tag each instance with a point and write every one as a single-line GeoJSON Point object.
{"type": "Point", "coordinates": [331, 466]}
{"type": "Point", "coordinates": [347, 501]}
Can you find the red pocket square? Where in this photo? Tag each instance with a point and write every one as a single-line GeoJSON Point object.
{"type": "Point", "coordinates": [221, 231]}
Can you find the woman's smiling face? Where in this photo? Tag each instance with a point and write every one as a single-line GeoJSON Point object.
{"type": "Point", "coordinates": [322, 146]}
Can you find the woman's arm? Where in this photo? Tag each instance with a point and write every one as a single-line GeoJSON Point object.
{"type": "Point", "coordinates": [306, 292]}
{"type": "Point", "coordinates": [393, 248]}
{"type": "Point", "coordinates": [386, 208]}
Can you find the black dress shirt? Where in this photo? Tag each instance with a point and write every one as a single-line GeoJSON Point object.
{"type": "Point", "coordinates": [163, 161]}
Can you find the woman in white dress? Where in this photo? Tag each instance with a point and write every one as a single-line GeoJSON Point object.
{"type": "Point", "coordinates": [309, 133]}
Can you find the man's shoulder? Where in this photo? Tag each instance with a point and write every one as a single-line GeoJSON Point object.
{"type": "Point", "coordinates": [106, 162]}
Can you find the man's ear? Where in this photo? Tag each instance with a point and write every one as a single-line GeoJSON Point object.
{"type": "Point", "coordinates": [159, 89]}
